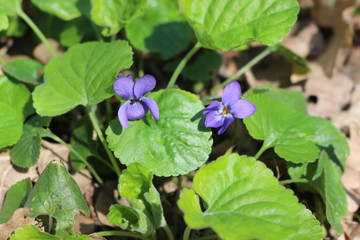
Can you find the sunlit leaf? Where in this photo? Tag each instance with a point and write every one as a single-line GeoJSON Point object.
{"type": "Point", "coordinates": [32, 232]}
{"type": "Point", "coordinates": [25, 70]}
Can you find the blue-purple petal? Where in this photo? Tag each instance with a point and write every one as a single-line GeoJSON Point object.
{"type": "Point", "coordinates": [242, 109]}
{"type": "Point", "coordinates": [123, 86]}
{"type": "Point", "coordinates": [225, 125]}
{"type": "Point", "coordinates": [122, 115]}
{"type": "Point", "coordinates": [231, 94]}
{"type": "Point", "coordinates": [152, 106]}
{"type": "Point", "coordinates": [215, 105]}
{"type": "Point", "coordinates": [136, 110]}
{"type": "Point", "coordinates": [144, 85]}
{"type": "Point", "coordinates": [214, 120]}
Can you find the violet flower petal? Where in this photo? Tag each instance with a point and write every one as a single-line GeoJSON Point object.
{"type": "Point", "coordinates": [226, 124]}
{"type": "Point", "coordinates": [152, 106]}
{"type": "Point", "coordinates": [123, 86]}
{"type": "Point", "coordinates": [215, 105]}
{"type": "Point", "coordinates": [144, 85]}
{"type": "Point", "coordinates": [214, 119]}
{"type": "Point", "coordinates": [242, 109]}
{"type": "Point", "coordinates": [123, 116]}
{"type": "Point", "coordinates": [231, 94]}
{"type": "Point", "coordinates": [136, 110]}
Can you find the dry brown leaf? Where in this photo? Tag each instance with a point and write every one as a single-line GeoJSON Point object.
{"type": "Point", "coordinates": [103, 203]}
{"type": "Point", "coordinates": [42, 54]}
{"type": "Point", "coordinates": [18, 220]}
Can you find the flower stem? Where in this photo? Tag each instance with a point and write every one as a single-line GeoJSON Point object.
{"type": "Point", "coordinates": [187, 233]}
{"type": "Point", "coordinates": [121, 233]}
{"type": "Point", "coordinates": [91, 169]}
{"type": "Point", "coordinates": [168, 232]}
{"type": "Point", "coordinates": [95, 123]}
{"type": "Point", "coordinates": [301, 180]}
{"type": "Point", "coordinates": [38, 33]}
{"type": "Point", "coordinates": [182, 64]}
{"type": "Point", "coordinates": [249, 65]}
{"type": "Point", "coordinates": [263, 148]}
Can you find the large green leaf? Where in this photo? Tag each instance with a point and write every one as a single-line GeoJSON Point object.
{"type": "Point", "coordinates": [289, 131]}
{"type": "Point", "coordinates": [227, 24]}
{"type": "Point", "coordinates": [32, 232]}
{"type": "Point", "coordinates": [4, 22]}
{"type": "Point", "coordinates": [66, 10]}
{"type": "Point", "coordinates": [160, 29]}
{"type": "Point", "coordinates": [10, 7]}
{"type": "Point", "coordinates": [15, 106]}
{"type": "Point", "coordinates": [25, 70]}
{"type": "Point", "coordinates": [245, 201]}
{"type": "Point", "coordinates": [83, 76]}
{"type": "Point", "coordinates": [115, 14]}
{"type": "Point", "coordinates": [177, 144]}
{"type": "Point", "coordinates": [324, 175]}
{"type": "Point", "coordinates": [15, 198]}
{"type": "Point", "coordinates": [56, 194]}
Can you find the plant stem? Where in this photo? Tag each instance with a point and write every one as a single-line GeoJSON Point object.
{"type": "Point", "coordinates": [37, 32]}
{"type": "Point", "coordinates": [182, 64]}
{"type": "Point", "coordinates": [301, 180]}
{"type": "Point", "coordinates": [96, 31]}
{"type": "Point", "coordinates": [168, 232]}
{"type": "Point", "coordinates": [50, 223]}
{"type": "Point", "coordinates": [95, 123]}
{"type": "Point", "coordinates": [187, 233]}
{"type": "Point", "coordinates": [249, 65]}
{"type": "Point", "coordinates": [121, 233]}
{"type": "Point", "coordinates": [91, 169]}
{"type": "Point", "coordinates": [263, 148]}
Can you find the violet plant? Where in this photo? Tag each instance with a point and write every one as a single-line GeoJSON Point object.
{"type": "Point", "coordinates": [165, 133]}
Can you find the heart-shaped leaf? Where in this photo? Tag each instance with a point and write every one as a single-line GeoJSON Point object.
{"type": "Point", "coordinates": [245, 201]}
{"type": "Point", "coordinates": [177, 144]}
{"type": "Point", "coordinates": [56, 194]}
{"type": "Point", "coordinates": [227, 24]}
{"type": "Point", "coordinates": [289, 131]}
{"type": "Point", "coordinates": [83, 76]}
{"type": "Point", "coordinates": [25, 70]}
{"type": "Point", "coordinates": [160, 29]}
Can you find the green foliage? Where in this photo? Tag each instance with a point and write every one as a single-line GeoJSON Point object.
{"type": "Point", "coordinates": [177, 144]}
{"type": "Point", "coordinates": [4, 22]}
{"type": "Point", "coordinates": [15, 198]}
{"type": "Point", "coordinates": [10, 7]}
{"type": "Point", "coordinates": [31, 232]}
{"type": "Point", "coordinates": [56, 194]}
{"type": "Point", "coordinates": [74, 32]}
{"type": "Point", "coordinates": [228, 24]}
{"type": "Point", "coordinates": [245, 201]}
{"type": "Point", "coordinates": [25, 70]}
{"type": "Point", "coordinates": [115, 14]}
{"type": "Point", "coordinates": [160, 29]}
{"type": "Point", "coordinates": [297, 61]}
{"type": "Point", "coordinates": [83, 76]}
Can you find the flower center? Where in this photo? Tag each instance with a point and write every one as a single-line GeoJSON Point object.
{"type": "Point", "coordinates": [134, 100]}
{"type": "Point", "coordinates": [225, 111]}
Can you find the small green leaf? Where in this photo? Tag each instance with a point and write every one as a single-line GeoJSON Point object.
{"type": "Point", "coordinates": [10, 7]}
{"type": "Point", "coordinates": [177, 144]}
{"type": "Point", "coordinates": [160, 29]}
{"type": "Point", "coordinates": [4, 22]}
{"type": "Point", "coordinates": [289, 131]}
{"type": "Point", "coordinates": [32, 232]}
{"type": "Point", "coordinates": [15, 198]}
{"type": "Point", "coordinates": [11, 124]}
{"type": "Point", "coordinates": [227, 24]}
{"type": "Point", "coordinates": [84, 75]}
{"type": "Point", "coordinates": [74, 32]}
{"type": "Point", "coordinates": [25, 70]}
{"type": "Point", "coordinates": [66, 10]}
{"type": "Point", "coordinates": [56, 194]}
{"type": "Point", "coordinates": [130, 219]}
{"type": "Point", "coordinates": [115, 14]}
{"type": "Point", "coordinates": [17, 27]}
{"type": "Point", "coordinates": [245, 201]}
{"type": "Point", "coordinates": [297, 61]}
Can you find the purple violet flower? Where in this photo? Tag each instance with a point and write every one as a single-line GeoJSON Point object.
{"type": "Point", "coordinates": [223, 114]}
{"type": "Point", "coordinates": [137, 105]}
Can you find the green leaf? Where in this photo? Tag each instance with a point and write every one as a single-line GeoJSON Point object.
{"type": "Point", "coordinates": [227, 24]}
{"type": "Point", "coordinates": [297, 61]}
{"type": "Point", "coordinates": [177, 144]}
{"type": "Point", "coordinates": [4, 22]}
{"type": "Point", "coordinates": [16, 28]}
{"type": "Point", "coordinates": [245, 201]}
{"type": "Point", "coordinates": [84, 75]}
{"type": "Point", "coordinates": [32, 232]}
{"type": "Point", "coordinates": [130, 219]}
{"type": "Point", "coordinates": [15, 198]}
{"type": "Point", "coordinates": [115, 14]}
{"type": "Point", "coordinates": [74, 32]}
{"type": "Point", "coordinates": [15, 106]}
{"type": "Point", "coordinates": [160, 29]}
{"type": "Point", "coordinates": [66, 10]}
{"type": "Point", "coordinates": [25, 70]}
{"type": "Point", "coordinates": [280, 126]}
{"type": "Point", "coordinates": [56, 194]}
{"type": "Point", "coordinates": [10, 7]}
